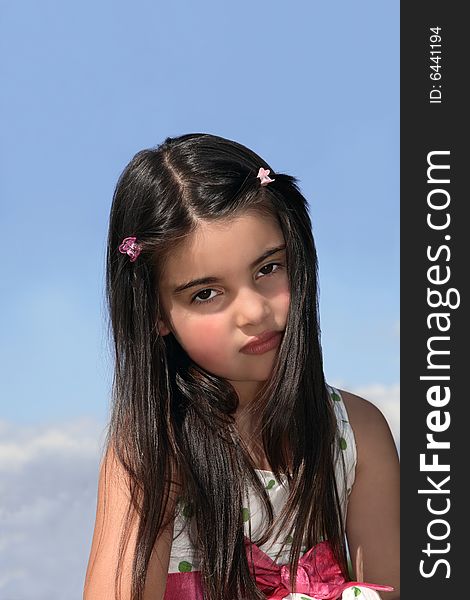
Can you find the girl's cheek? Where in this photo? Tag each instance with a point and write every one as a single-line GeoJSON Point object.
{"type": "Point", "coordinates": [284, 300]}
{"type": "Point", "coordinates": [207, 346]}
{"type": "Point", "coordinates": [205, 329]}
{"type": "Point", "coordinates": [203, 337]}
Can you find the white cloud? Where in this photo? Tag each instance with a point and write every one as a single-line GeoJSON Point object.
{"type": "Point", "coordinates": [20, 446]}
{"type": "Point", "coordinates": [48, 485]}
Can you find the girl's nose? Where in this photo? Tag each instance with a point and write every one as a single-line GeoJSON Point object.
{"type": "Point", "coordinates": [252, 308]}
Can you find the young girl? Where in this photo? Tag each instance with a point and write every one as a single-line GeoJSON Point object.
{"type": "Point", "coordinates": [232, 469]}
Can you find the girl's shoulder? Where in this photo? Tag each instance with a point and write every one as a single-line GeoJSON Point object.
{"type": "Point", "coordinates": [362, 428]}
{"type": "Point", "coordinates": [346, 452]}
{"type": "Point", "coordinates": [363, 415]}
{"type": "Point", "coordinates": [115, 508]}
{"type": "Point", "coordinates": [370, 429]}
{"type": "Point", "coordinates": [373, 507]}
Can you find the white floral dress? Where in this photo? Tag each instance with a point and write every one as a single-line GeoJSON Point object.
{"type": "Point", "coordinates": [183, 574]}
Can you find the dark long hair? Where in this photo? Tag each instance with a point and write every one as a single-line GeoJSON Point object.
{"type": "Point", "coordinates": [171, 419]}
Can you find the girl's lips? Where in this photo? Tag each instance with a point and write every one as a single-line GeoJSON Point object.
{"type": "Point", "coordinates": [268, 340]}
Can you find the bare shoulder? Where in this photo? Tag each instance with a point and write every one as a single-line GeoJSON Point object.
{"type": "Point", "coordinates": [115, 509]}
{"type": "Point", "coordinates": [373, 516]}
{"type": "Point", "coordinates": [369, 425]}
{"type": "Point", "coordinates": [363, 414]}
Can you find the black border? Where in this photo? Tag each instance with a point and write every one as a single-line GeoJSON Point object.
{"type": "Point", "coordinates": [427, 127]}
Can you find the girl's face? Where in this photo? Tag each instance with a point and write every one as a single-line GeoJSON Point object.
{"type": "Point", "coordinates": [248, 293]}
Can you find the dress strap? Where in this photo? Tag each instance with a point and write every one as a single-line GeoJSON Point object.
{"type": "Point", "coordinates": [346, 457]}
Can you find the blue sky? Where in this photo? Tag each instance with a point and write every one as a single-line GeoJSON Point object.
{"type": "Point", "coordinates": [311, 86]}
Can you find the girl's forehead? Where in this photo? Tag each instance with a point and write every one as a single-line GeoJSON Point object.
{"type": "Point", "coordinates": [217, 245]}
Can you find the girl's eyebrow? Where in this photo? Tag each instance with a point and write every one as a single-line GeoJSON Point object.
{"type": "Point", "coordinates": [211, 279]}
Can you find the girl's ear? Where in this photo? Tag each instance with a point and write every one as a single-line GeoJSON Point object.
{"type": "Point", "coordinates": [162, 328]}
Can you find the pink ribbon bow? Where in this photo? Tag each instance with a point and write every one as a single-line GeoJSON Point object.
{"type": "Point", "coordinates": [318, 575]}
{"type": "Point", "coordinates": [130, 247]}
{"type": "Point", "coordinates": [263, 175]}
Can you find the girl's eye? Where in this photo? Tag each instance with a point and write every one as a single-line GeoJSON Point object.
{"type": "Point", "coordinates": [204, 300]}
{"type": "Point", "coordinates": [207, 298]}
{"type": "Point", "coordinates": [271, 265]}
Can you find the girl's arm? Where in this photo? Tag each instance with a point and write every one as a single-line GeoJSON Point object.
{"type": "Point", "coordinates": [113, 501]}
{"type": "Point", "coordinates": [373, 519]}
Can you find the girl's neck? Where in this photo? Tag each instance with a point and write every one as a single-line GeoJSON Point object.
{"type": "Point", "coordinates": [250, 434]}
{"type": "Point", "coordinates": [247, 392]}
{"type": "Point", "coordinates": [246, 417]}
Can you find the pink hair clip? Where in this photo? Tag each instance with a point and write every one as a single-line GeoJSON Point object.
{"type": "Point", "coordinates": [130, 248]}
{"type": "Point", "coordinates": [263, 175]}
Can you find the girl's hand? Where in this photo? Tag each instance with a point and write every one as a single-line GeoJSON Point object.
{"type": "Point", "coordinates": [359, 565]}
